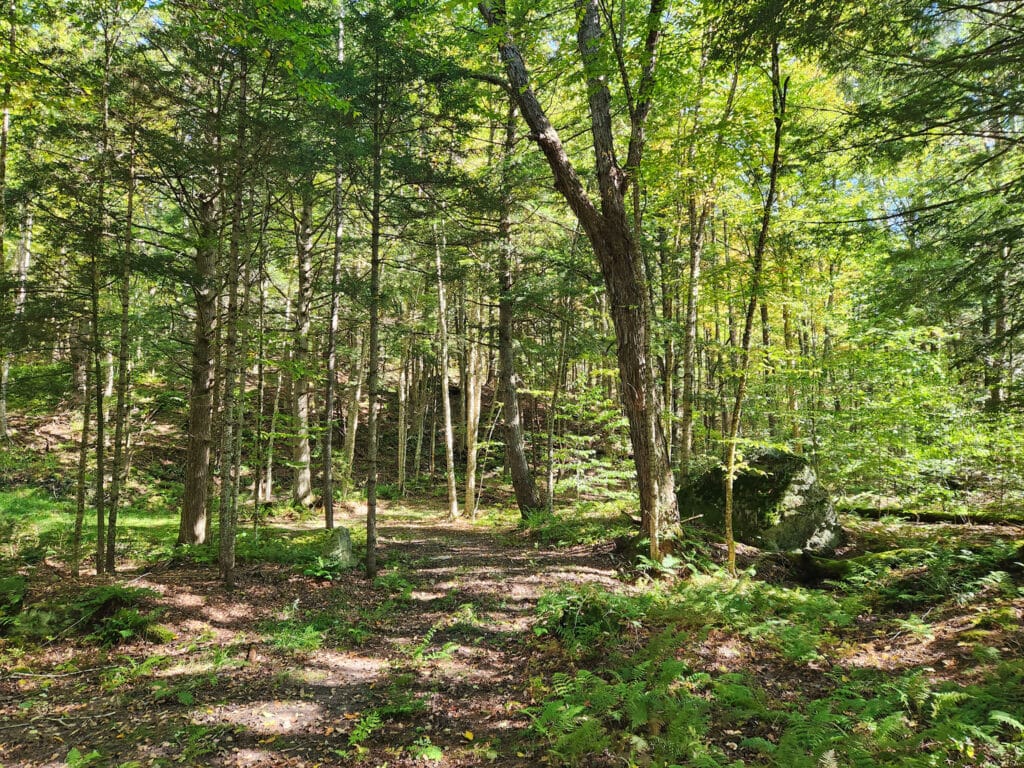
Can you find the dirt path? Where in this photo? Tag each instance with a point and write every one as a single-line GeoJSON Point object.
{"type": "Point", "coordinates": [429, 664]}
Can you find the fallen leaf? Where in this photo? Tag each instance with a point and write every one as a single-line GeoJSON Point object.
{"type": "Point", "coordinates": [467, 735]}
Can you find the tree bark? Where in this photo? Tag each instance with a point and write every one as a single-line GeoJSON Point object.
{"type": "Point", "coordinates": [200, 412]}
{"type": "Point", "coordinates": [83, 466]}
{"type": "Point", "coordinates": [302, 484]}
{"type": "Point", "coordinates": [373, 377]}
{"type": "Point", "coordinates": [331, 354]}
{"type": "Point", "coordinates": [233, 356]}
{"type": "Point", "coordinates": [442, 363]}
{"type": "Point", "coordinates": [473, 386]}
{"type": "Point", "coordinates": [403, 416]}
{"type": "Point", "coordinates": [97, 256]}
{"type": "Point", "coordinates": [348, 453]}
{"type": "Point", "coordinates": [607, 227]}
{"type": "Point", "coordinates": [556, 392]}
{"type": "Point", "coordinates": [420, 380]}
{"type": "Point", "coordinates": [5, 130]}
{"type": "Point", "coordinates": [527, 497]}
{"type": "Point", "coordinates": [118, 474]}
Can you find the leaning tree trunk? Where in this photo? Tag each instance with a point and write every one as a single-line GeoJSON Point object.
{"type": "Point", "coordinates": [200, 411]}
{"type": "Point", "coordinates": [607, 226]}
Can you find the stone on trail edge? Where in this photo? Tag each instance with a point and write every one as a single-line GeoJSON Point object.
{"type": "Point", "coordinates": [339, 547]}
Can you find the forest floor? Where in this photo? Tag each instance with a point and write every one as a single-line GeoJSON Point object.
{"type": "Point", "coordinates": [432, 659]}
{"type": "Point", "coordinates": [457, 654]}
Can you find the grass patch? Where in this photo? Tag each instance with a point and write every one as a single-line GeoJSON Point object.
{"type": "Point", "coordinates": [584, 523]}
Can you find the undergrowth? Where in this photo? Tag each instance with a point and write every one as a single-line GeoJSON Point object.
{"type": "Point", "coordinates": [105, 615]}
{"type": "Point", "coordinates": [649, 697]}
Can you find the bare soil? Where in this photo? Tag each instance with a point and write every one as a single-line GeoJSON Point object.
{"type": "Point", "coordinates": [450, 648]}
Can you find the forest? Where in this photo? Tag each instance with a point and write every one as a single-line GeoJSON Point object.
{"type": "Point", "coordinates": [592, 383]}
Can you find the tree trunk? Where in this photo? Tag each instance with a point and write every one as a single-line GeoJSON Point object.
{"type": "Point", "coordinates": [83, 466]}
{"type": "Point", "coordinates": [608, 229]}
{"type": "Point", "coordinates": [302, 486]}
{"type": "Point", "coordinates": [98, 254]}
{"type": "Point", "coordinates": [331, 354]}
{"type": "Point", "coordinates": [779, 91]}
{"type": "Point", "coordinates": [373, 376]}
{"type": "Point", "coordinates": [348, 454]}
{"type": "Point", "coordinates": [698, 223]}
{"type": "Point", "coordinates": [446, 402]}
{"type": "Point", "coordinates": [556, 392]}
{"type": "Point", "coordinates": [118, 474]}
{"type": "Point", "coordinates": [769, 370]}
{"type": "Point", "coordinates": [233, 357]}
{"type": "Point", "coordinates": [261, 393]}
{"type": "Point", "coordinates": [473, 386]}
{"type": "Point", "coordinates": [403, 416]}
{"type": "Point", "coordinates": [420, 379]}
{"type": "Point", "coordinates": [5, 130]}
{"type": "Point", "coordinates": [200, 412]}
{"type": "Point", "coordinates": [527, 497]}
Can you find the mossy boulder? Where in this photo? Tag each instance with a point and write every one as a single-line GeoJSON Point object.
{"type": "Point", "coordinates": [338, 548]}
{"type": "Point", "coordinates": [778, 503]}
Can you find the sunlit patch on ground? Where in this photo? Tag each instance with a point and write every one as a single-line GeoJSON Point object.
{"type": "Point", "coordinates": [266, 718]}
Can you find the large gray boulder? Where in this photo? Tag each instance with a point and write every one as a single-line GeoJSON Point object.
{"type": "Point", "coordinates": [778, 504]}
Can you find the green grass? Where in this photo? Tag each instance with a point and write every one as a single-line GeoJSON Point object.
{"type": "Point", "coordinates": [586, 522]}
{"type": "Point", "coordinates": [38, 388]}
{"type": "Point", "coordinates": [34, 525]}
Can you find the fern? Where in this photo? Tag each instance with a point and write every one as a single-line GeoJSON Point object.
{"type": "Point", "coordinates": [998, 716]}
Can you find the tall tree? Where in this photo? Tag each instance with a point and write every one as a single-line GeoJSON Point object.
{"type": "Point", "coordinates": [607, 225]}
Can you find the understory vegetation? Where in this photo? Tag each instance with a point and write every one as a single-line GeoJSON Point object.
{"type": "Point", "coordinates": [599, 384]}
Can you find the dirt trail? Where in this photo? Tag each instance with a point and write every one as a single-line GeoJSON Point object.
{"type": "Point", "coordinates": [434, 655]}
